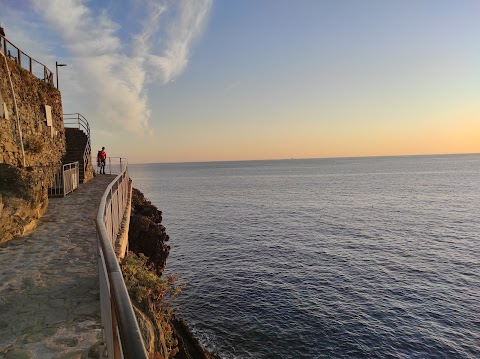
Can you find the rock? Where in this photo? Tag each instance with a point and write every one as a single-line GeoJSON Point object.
{"type": "Point", "coordinates": [23, 199]}
{"type": "Point", "coordinates": [148, 236]}
{"type": "Point", "coordinates": [147, 329]}
{"type": "Point", "coordinates": [145, 234]}
{"type": "Point", "coordinates": [9, 147]}
{"type": "Point", "coordinates": [97, 350]}
{"type": "Point", "coordinates": [18, 354]}
{"type": "Point", "coordinates": [77, 354]}
{"type": "Point", "coordinates": [144, 207]}
{"type": "Point", "coordinates": [29, 227]}
{"type": "Point", "coordinates": [41, 151]}
{"type": "Point", "coordinates": [188, 344]}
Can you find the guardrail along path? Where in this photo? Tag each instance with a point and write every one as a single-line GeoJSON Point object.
{"type": "Point", "coordinates": [49, 294]}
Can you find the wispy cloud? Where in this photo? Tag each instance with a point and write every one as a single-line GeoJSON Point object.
{"type": "Point", "coordinates": [171, 58]}
{"type": "Point", "coordinates": [108, 74]}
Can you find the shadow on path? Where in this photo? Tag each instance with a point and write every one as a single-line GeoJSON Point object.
{"type": "Point", "coordinates": [49, 296]}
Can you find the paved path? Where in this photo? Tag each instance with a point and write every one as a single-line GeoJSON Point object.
{"type": "Point", "coordinates": [49, 296]}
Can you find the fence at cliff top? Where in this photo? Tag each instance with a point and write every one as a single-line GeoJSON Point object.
{"type": "Point", "coordinates": [120, 328]}
{"type": "Point", "coordinates": [27, 62]}
{"type": "Point", "coordinates": [65, 181]}
{"type": "Point", "coordinates": [77, 120]}
{"type": "Point", "coordinates": [115, 165]}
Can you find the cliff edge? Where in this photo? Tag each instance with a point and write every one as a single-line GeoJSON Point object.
{"type": "Point", "coordinates": [165, 335]}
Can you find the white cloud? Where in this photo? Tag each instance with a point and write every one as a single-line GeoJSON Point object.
{"type": "Point", "coordinates": [114, 82]}
{"type": "Point", "coordinates": [171, 58]}
{"type": "Point", "coordinates": [106, 76]}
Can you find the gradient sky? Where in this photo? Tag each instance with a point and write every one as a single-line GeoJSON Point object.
{"type": "Point", "coordinates": [188, 80]}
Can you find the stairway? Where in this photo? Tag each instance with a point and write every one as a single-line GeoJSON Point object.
{"type": "Point", "coordinates": [76, 142]}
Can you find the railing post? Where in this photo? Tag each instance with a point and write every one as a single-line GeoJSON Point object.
{"type": "Point", "coordinates": [30, 64]}
{"type": "Point", "coordinates": [63, 178]}
{"type": "Point", "coordinates": [19, 57]}
{"type": "Point", "coordinates": [116, 339]}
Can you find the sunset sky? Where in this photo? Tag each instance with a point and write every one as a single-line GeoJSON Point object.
{"type": "Point", "coordinates": [201, 80]}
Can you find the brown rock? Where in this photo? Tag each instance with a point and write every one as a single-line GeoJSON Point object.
{"type": "Point", "coordinates": [146, 235]}
{"type": "Point", "coordinates": [9, 147]}
{"type": "Point", "coordinates": [189, 346]}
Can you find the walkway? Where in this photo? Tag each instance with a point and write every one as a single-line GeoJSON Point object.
{"type": "Point", "coordinates": [49, 297]}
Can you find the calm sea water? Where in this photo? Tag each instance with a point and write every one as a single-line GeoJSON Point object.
{"type": "Point", "coordinates": [344, 258]}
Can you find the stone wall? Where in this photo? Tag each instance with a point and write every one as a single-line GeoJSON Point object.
{"type": "Point", "coordinates": [89, 172]}
{"type": "Point", "coordinates": [121, 243]}
{"type": "Point", "coordinates": [23, 190]}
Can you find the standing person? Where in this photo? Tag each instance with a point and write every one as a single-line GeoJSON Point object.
{"type": "Point", "coordinates": [101, 159]}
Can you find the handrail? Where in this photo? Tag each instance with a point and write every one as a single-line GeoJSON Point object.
{"type": "Point", "coordinates": [80, 122]}
{"type": "Point", "coordinates": [4, 48]}
{"type": "Point", "coordinates": [15, 106]}
{"type": "Point", "coordinates": [118, 165]}
{"type": "Point", "coordinates": [121, 330]}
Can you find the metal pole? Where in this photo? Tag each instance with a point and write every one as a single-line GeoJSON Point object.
{"type": "Point", "coordinates": [63, 176]}
{"type": "Point", "coordinates": [57, 65]}
{"type": "Point", "coordinates": [16, 109]}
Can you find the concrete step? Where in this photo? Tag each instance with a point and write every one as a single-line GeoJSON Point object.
{"type": "Point", "coordinates": [76, 151]}
{"type": "Point", "coordinates": [77, 142]}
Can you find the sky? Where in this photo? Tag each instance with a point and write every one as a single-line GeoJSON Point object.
{"type": "Point", "coordinates": [213, 80]}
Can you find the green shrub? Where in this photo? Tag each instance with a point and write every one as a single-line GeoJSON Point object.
{"type": "Point", "coordinates": [152, 293]}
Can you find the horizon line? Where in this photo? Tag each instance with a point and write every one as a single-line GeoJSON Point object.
{"type": "Point", "coordinates": [308, 158]}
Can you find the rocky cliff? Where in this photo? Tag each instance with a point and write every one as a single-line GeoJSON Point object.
{"type": "Point", "coordinates": [165, 335]}
{"type": "Point", "coordinates": [23, 189]}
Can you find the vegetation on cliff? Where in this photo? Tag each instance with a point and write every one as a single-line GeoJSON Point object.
{"type": "Point", "coordinates": [153, 294]}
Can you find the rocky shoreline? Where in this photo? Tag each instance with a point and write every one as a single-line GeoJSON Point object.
{"type": "Point", "coordinates": [148, 236]}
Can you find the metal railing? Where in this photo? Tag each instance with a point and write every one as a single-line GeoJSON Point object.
{"type": "Point", "coordinates": [120, 328]}
{"type": "Point", "coordinates": [76, 120]}
{"type": "Point", "coordinates": [27, 62]}
{"type": "Point", "coordinates": [115, 165]}
{"type": "Point", "coordinates": [65, 180]}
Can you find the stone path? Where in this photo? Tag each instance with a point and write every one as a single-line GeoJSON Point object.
{"type": "Point", "coordinates": [49, 296]}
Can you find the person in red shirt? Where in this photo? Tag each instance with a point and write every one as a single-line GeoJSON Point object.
{"type": "Point", "coordinates": [101, 159]}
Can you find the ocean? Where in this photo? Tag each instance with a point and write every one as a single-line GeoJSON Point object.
{"type": "Point", "coordinates": [373, 257]}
